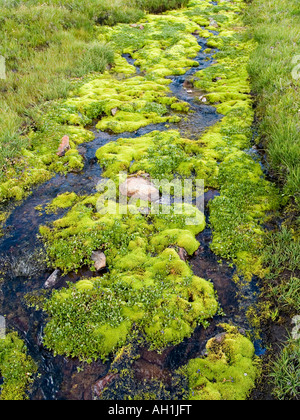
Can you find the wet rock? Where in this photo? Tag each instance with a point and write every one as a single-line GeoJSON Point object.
{"type": "Point", "coordinates": [135, 25]}
{"type": "Point", "coordinates": [151, 356]}
{"type": "Point", "coordinates": [213, 23]}
{"type": "Point", "coordinates": [148, 371]}
{"type": "Point", "coordinates": [64, 146]}
{"type": "Point", "coordinates": [188, 84]}
{"type": "Point", "coordinates": [183, 254]}
{"type": "Point", "coordinates": [99, 259]}
{"type": "Point", "coordinates": [114, 111]}
{"type": "Point", "coordinates": [139, 188]}
{"type": "Point", "coordinates": [52, 280]}
{"type": "Point", "coordinates": [199, 251]}
{"type": "Point", "coordinates": [82, 151]}
{"type": "Point", "coordinates": [104, 383]}
{"type": "Point", "coordinates": [220, 337]}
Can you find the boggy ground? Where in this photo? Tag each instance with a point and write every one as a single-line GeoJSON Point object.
{"type": "Point", "coordinates": [151, 300]}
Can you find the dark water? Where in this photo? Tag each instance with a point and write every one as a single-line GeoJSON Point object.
{"type": "Point", "coordinates": [22, 261]}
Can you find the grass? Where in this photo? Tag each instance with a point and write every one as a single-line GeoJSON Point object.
{"type": "Point", "coordinates": [282, 287]}
{"type": "Point", "coordinates": [276, 28]}
{"type": "Point", "coordinates": [282, 252]}
{"type": "Point", "coordinates": [286, 372]}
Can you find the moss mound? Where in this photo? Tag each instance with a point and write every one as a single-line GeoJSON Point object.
{"type": "Point", "coordinates": [16, 367]}
{"type": "Point", "coordinates": [228, 372]}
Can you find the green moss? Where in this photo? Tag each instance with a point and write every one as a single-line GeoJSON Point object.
{"type": "Point", "coordinates": [237, 215]}
{"type": "Point", "coordinates": [121, 66]}
{"type": "Point", "coordinates": [74, 237]}
{"type": "Point", "coordinates": [112, 338]}
{"type": "Point", "coordinates": [161, 154]}
{"type": "Point", "coordinates": [214, 43]}
{"type": "Point", "coordinates": [17, 189]}
{"type": "Point", "coordinates": [3, 217]}
{"type": "Point", "coordinates": [181, 107]}
{"type": "Point", "coordinates": [16, 367]}
{"type": "Point", "coordinates": [101, 326]}
{"type": "Point", "coordinates": [157, 294]}
{"type": "Point", "coordinates": [228, 372]}
{"type": "Point", "coordinates": [162, 48]}
{"type": "Point", "coordinates": [148, 285]}
{"type": "Point", "coordinates": [123, 105]}
{"type": "Point", "coordinates": [128, 122]}
{"type": "Point", "coordinates": [147, 289]}
{"type": "Point", "coordinates": [63, 201]}
{"type": "Point", "coordinates": [182, 238]}
{"type": "Point", "coordinates": [41, 162]}
{"type": "Point", "coordinates": [246, 197]}
{"type": "Point", "coordinates": [179, 216]}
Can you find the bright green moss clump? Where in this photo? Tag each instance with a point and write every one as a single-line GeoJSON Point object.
{"type": "Point", "coordinates": [73, 238]}
{"type": "Point", "coordinates": [16, 367]}
{"type": "Point", "coordinates": [148, 284]}
{"type": "Point", "coordinates": [237, 215]}
{"type": "Point", "coordinates": [162, 46]}
{"type": "Point", "coordinates": [62, 201]}
{"type": "Point", "coordinates": [3, 217]}
{"type": "Point", "coordinates": [228, 372]}
{"type": "Point", "coordinates": [40, 161]}
{"type": "Point", "coordinates": [182, 238]}
{"type": "Point", "coordinates": [164, 305]}
{"type": "Point", "coordinates": [121, 105]}
{"type": "Point", "coordinates": [162, 155]}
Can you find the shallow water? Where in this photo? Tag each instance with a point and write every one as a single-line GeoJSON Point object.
{"type": "Point", "coordinates": [21, 260]}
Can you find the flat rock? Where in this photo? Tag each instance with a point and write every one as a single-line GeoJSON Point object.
{"type": "Point", "coordinates": [213, 23]}
{"type": "Point", "coordinates": [114, 111]}
{"type": "Point", "coordinates": [99, 259]}
{"type": "Point", "coordinates": [220, 337]}
{"type": "Point", "coordinates": [139, 188]}
{"type": "Point", "coordinates": [64, 146]}
{"type": "Point", "coordinates": [52, 280]}
{"type": "Point", "coordinates": [104, 383]}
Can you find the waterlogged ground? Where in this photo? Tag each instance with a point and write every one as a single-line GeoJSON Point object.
{"type": "Point", "coordinates": [167, 317]}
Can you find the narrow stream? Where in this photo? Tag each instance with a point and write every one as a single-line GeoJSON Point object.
{"type": "Point", "coordinates": [21, 259]}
